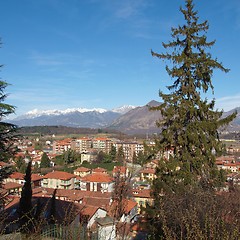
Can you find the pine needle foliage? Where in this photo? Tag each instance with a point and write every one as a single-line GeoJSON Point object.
{"type": "Point", "coordinates": [190, 124]}
{"type": "Point", "coordinates": [7, 130]}
{"type": "Point", "coordinates": [7, 133]}
{"type": "Point", "coordinates": [25, 204]}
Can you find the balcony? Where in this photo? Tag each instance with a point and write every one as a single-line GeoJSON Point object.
{"type": "Point", "coordinates": [45, 181]}
{"type": "Point", "coordinates": [65, 183]}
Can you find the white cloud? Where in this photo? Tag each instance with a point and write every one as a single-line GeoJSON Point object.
{"type": "Point", "coordinates": [56, 59]}
{"type": "Point", "coordinates": [228, 103]}
{"type": "Point", "coordinates": [128, 9]}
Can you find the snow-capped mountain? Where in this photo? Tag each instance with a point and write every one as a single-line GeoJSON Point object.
{"type": "Point", "coordinates": [124, 109]}
{"type": "Point", "coordinates": [127, 119]}
{"type": "Point", "coordinates": [71, 117]}
{"type": "Point", "coordinates": [37, 113]}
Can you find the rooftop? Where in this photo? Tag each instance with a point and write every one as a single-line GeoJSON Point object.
{"type": "Point", "coordinates": [82, 169]}
{"type": "Point", "coordinates": [59, 175]}
{"type": "Point", "coordinates": [98, 177]}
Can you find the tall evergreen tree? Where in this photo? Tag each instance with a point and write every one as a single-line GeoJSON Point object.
{"type": "Point", "coordinates": [52, 209]}
{"type": "Point", "coordinates": [190, 123]}
{"type": "Point", "coordinates": [7, 130]}
{"type": "Point", "coordinates": [190, 128]}
{"type": "Point", "coordinates": [25, 205]}
{"type": "Point", "coordinates": [7, 133]}
{"type": "Point", "coordinates": [120, 155]}
{"type": "Point", "coordinates": [113, 153]}
{"type": "Point", "coordinates": [4, 173]}
{"type": "Point", "coordinates": [45, 161]}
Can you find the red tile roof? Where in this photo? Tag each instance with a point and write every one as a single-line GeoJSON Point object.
{"type": "Point", "coordinates": [101, 139]}
{"type": "Point", "coordinates": [15, 201]}
{"type": "Point", "coordinates": [11, 185]}
{"type": "Point", "coordinates": [88, 210]}
{"type": "Point", "coordinates": [3, 164]}
{"type": "Point", "coordinates": [66, 141]}
{"type": "Point", "coordinates": [59, 175]}
{"type": "Point", "coordinates": [130, 204]}
{"type": "Point", "coordinates": [84, 138]}
{"type": "Point", "coordinates": [99, 170]}
{"type": "Point", "coordinates": [225, 158]}
{"type": "Point", "coordinates": [119, 169]}
{"type": "Point", "coordinates": [127, 205]}
{"type": "Point", "coordinates": [148, 170]}
{"type": "Point", "coordinates": [230, 164]}
{"type": "Point", "coordinates": [144, 193]}
{"type": "Point", "coordinates": [97, 177]}
{"type": "Point", "coordinates": [99, 202]}
{"type": "Point", "coordinates": [17, 175]}
{"type": "Point", "coordinates": [82, 169]}
{"type": "Point", "coordinates": [36, 177]}
{"type": "Point", "coordinates": [89, 198]}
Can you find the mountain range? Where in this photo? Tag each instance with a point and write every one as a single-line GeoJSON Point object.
{"type": "Point", "coordinates": [127, 119]}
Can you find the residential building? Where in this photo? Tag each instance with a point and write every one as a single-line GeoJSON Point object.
{"type": "Point", "coordinates": [153, 164]}
{"type": "Point", "coordinates": [3, 164]}
{"type": "Point", "coordinates": [102, 144]}
{"type": "Point", "coordinates": [100, 182]}
{"type": "Point", "coordinates": [67, 218]}
{"type": "Point", "coordinates": [129, 149]}
{"type": "Point", "coordinates": [130, 211]}
{"type": "Point", "coordinates": [99, 170]}
{"type": "Point", "coordinates": [120, 171]}
{"type": "Point", "coordinates": [228, 163]}
{"type": "Point", "coordinates": [141, 197]}
{"type": "Point", "coordinates": [234, 178]}
{"type": "Point", "coordinates": [59, 180]}
{"type": "Point", "coordinates": [13, 188]}
{"type": "Point", "coordinates": [15, 177]}
{"type": "Point", "coordinates": [124, 211]}
{"type": "Point", "coordinates": [36, 180]}
{"type": "Point", "coordinates": [106, 228]}
{"type": "Point", "coordinates": [147, 174]}
{"type": "Point", "coordinates": [82, 171]}
{"type": "Point", "coordinates": [89, 156]}
{"type": "Point", "coordinates": [88, 214]}
{"type": "Point", "coordinates": [82, 144]}
{"type": "Point", "coordinates": [62, 146]}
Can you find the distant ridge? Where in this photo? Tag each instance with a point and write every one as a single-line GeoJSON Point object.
{"type": "Point", "coordinates": [72, 117]}
{"type": "Point", "coordinates": [127, 119]}
{"type": "Point", "coordinates": [235, 124]}
{"type": "Point", "coordinates": [139, 120]}
{"type": "Point", "coordinates": [37, 113]}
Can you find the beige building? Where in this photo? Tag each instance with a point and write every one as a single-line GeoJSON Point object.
{"type": "Point", "coordinates": [15, 177]}
{"type": "Point", "coordinates": [82, 171]}
{"type": "Point", "coordinates": [147, 174]}
{"type": "Point", "coordinates": [97, 182]}
{"type": "Point", "coordinates": [59, 180]}
{"type": "Point", "coordinates": [62, 146]}
{"type": "Point", "coordinates": [82, 144]}
{"type": "Point", "coordinates": [102, 144]}
{"type": "Point", "coordinates": [142, 196]}
{"type": "Point", "coordinates": [89, 156]}
{"type": "Point", "coordinates": [129, 149]}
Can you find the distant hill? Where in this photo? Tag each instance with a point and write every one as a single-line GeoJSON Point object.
{"type": "Point", "coordinates": [73, 119]}
{"type": "Point", "coordinates": [79, 118]}
{"type": "Point", "coordinates": [235, 124]}
{"type": "Point", "coordinates": [139, 120]}
{"type": "Point", "coordinates": [128, 119]}
{"type": "Point", "coordinates": [142, 121]}
{"type": "Point", "coordinates": [61, 130]}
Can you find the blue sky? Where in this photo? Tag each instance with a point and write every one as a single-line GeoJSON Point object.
{"type": "Point", "coordinates": [60, 54]}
